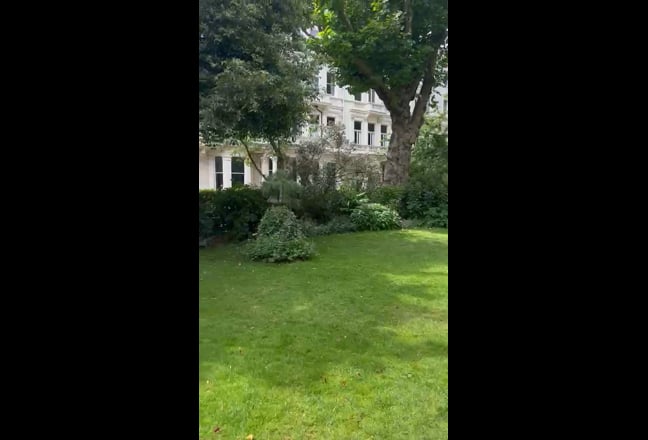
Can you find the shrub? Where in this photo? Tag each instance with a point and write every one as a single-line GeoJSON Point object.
{"type": "Point", "coordinates": [275, 250]}
{"type": "Point", "coordinates": [436, 217]}
{"type": "Point", "coordinates": [337, 225]}
{"type": "Point", "coordinates": [387, 195]}
{"type": "Point", "coordinates": [205, 223]}
{"type": "Point", "coordinates": [281, 189]}
{"type": "Point", "coordinates": [350, 199]}
{"type": "Point", "coordinates": [232, 212]}
{"type": "Point", "coordinates": [340, 225]}
{"type": "Point", "coordinates": [280, 238]}
{"type": "Point", "coordinates": [280, 220]}
{"type": "Point", "coordinates": [319, 203]}
{"type": "Point", "coordinates": [418, 197]}
{"type": "Point", "coordinates": [374, 217]}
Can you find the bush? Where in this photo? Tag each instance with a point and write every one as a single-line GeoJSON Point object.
{"type": "Point", "coordinates": [280, 238]}
{"type": "Point", "coordinates": [205, 223]}
{"type": "Point", "coordinates": [387, 195]}
{"type": "Point", "coordinates": [419, 197]}
{"type": "Point", "coordinates": [349, 199]}
{"type": "Point", "coordinates": [338, 225]}
{"type": "Point", "coordinates": [319, 204]}
{"type": "Point", "coordinates": [275, 250]}
{"type": "Point", "coordinates": [374, 217]}
{"type": "Point", "coordinates": [280, 220]}
{"type": "Point", "coordinates": [233, 212]}
{"type": "Point", "coordinates": [436, 217]}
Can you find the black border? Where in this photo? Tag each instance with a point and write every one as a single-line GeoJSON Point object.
{"type": "Point", "coordinates": [105, 148]}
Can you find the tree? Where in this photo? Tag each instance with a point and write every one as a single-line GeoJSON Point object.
{"type": "Point", "coordinates": [256, 77]}
{"type": "Point", "coordinates": [430, 154]}
{"type": "Point", "coordinates": [396, 47]}
{"type": "Point", "coordinates": [346, 166]}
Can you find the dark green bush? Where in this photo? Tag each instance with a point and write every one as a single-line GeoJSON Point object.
{"type": "Point", "coordinates": [280, 238]}
{"type": "Point", "coordinates": [275, 250]}
{"type": "Point", "coordinates": [374, 217]}
{"type": "Point", "coordinates": [233, 212]}
{"type": "Point", "coordinates": [419, 196]}
{"type": "Point", "coordinates": [205, 223]}
{"type": "Point", "coordinates": [386, 195]}
{"type": "Point", "coordinates": [337, 225]}
{"type": "Point", "coordinates": [349, 199]}
{"type": "Point", "coordinates": [280, 220]}
{"type": "Point", "coordinates": [319, 204]}
{"type": "Point", "coordinates": [436, 217]}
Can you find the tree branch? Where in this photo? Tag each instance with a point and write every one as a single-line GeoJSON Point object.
{"type": "Point", "coordinates": [374, 80]}
{"type": "Point", "coordinates": [407, 9]}
{"type": "Point", "coordinates": [426, 89]}
{"type": "Point", "coordinates": [247, 150]}
{"type": "Point", "coordinates": [281, 158]}
{"type": "Point", "coordinates": [340, 6]}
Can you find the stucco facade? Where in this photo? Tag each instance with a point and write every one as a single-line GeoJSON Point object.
{"type": "Point", "coordinates": [366, 122]}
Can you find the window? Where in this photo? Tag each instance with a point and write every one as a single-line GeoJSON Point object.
{"type": "Point", "coordinates": [383, 136]}
{"type": "Point", "coordinates": [330, 84]}
{"type": "Point", "coordinates": [330, 120]}
{"type": "Point", "coordinates": [357, 131]}
{"type": "Point", "coordinates": [370, 136]}
{"type": "Point", "coordinates": [238, 171]}
{"type": "Point", "coordinates": [219, 172]}
{"type": "Point", "coordinates": [270, 166]}
{"type": "Point", "coordinates": [372, 96]}
{"type": "Point", "coordinates": [358, 96]}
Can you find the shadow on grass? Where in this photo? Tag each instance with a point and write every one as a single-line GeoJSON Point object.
{"type": "Point", "coordinates": [356, 308]}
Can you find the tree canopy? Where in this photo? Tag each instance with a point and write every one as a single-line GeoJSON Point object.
{"type": "Point", "coordinates": [256, 77]}
{"type": "Point", "coordinates": [396, 47]}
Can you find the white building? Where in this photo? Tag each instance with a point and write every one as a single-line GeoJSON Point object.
{"type": "Point", "coordinates": [365, 119]}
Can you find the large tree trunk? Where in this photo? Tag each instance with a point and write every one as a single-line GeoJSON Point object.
{"type": "Point", "coordinates": [399, 152]}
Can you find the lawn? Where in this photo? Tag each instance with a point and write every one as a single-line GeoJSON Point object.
{"type": "Point", "coordinates": [350, 345]}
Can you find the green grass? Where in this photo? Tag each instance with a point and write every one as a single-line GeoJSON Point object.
{"type": "Point", "coordinates": [350, 345]}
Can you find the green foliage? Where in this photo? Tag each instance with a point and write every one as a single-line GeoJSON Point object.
{"type": "Point", "coordinates": [419, 196]}
{"type": "Point", "coordinates": [280, 220]}
{"type": "Point", "coordinates": [337, 225]}
{"type": "Point", "coordinates": [205, 221]}
{"type": "Point", "coordinates": [374, 217]}
{"type": "Point", "coordinates": [275, 250]}
{"type": "Point", "coordinates": [436, 217]}
{"type": "Point", "coordinates": [319, 204]}
{"type": "Point", "coordinates": [387, 41]}
{"type": "Point", "coordinates": [430, 154]}
{"type": "Point", "coordinates": [351, 198]}
{"type": "Point", "coordinates": [387, 195]}
{"type": "Point", "coordinates": [425, 197]}
{"type": "Point", "coordinates": [233, 212]}
{"type": "Point", "coordinates": [280, 238]}
{"type": "Point", "coordinates": [256, 76]}
{"type": "Point", "coordinates": [397, 48]}
{"type": "Point", "coordinates": [281, 189]}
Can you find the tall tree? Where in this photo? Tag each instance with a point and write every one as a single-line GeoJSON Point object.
{"type": "Point", "coordinates": [430, 153]}
{"type": "Point", "coordinates": [256, 77]}
{"type": "Point", "coordinates": [396, 47]}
